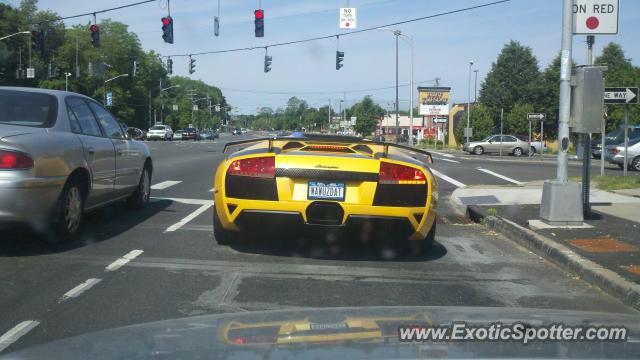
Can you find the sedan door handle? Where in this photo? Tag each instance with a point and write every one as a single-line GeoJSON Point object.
{"type": "Point", "coordinates": [91, 151]}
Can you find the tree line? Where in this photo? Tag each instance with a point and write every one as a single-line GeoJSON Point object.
{"type": "Point", "coordinates": [516, 85]}
{"type": "Point", "coordinates": [137, 97]}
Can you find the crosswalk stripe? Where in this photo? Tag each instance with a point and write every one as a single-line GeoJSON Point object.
{"type": "Point", "coordinates": [501, 176]}
{"type": "Point", "coordinates": [165, 184]}
{"type": "Point", "coordinates": [447, 178]}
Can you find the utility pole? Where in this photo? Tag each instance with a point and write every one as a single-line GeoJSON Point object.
{"type": "Point", "coordinates": [561, 200]}
{"type": "Point", "coordinates": [149, 107]}
{"type": "Point", "coordinates": [397, 33]}
{"type": "Point", "coordinates": [161, 100]}
{"type": "Point", "coordinates": [411, 97]}
{"type": "Point", "coordinates": [469, 101]}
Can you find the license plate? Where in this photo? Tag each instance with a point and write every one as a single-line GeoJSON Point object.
{"type": "Point", "coordinates": [318, 190]}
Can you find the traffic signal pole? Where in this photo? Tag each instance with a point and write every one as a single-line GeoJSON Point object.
{"type": "Point", "coordinates": [561, 200]}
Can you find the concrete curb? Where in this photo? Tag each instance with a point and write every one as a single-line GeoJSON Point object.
{"type": "Point", "coordinates": [590, 271]}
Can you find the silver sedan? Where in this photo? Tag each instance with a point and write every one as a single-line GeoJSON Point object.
{"type": "Point", "coordinates": [508, 144]}
{"type": "Point", "coordinates": [62, 154]}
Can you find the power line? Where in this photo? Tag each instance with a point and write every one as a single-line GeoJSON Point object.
{"type": "Point", "coordinates": [344, 34]}
{"type": "Point", "coordinates": [322, 92]}
{"type": "Point", "coordinates": [95, 12]}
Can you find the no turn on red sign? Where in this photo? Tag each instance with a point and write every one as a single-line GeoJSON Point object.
{"type": "Point", "coordinates": [596, 17]}
{"type": "Point", "coordinates": [348, 18]}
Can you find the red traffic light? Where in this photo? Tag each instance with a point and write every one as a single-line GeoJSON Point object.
{"type": "Point", "coordinates": [259, 14]}
{"type": "Point", "coordinates": [165, 21]}
{"type": "Point", "coordinates": [94, 28]}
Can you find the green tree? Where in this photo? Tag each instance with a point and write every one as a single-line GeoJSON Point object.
{"type": "Point", "coordinates": [515, 122]}
{"type": "Point", "coordinates": [482, 122]}
{"type": "Point", "coordinates": [511, 78]}
{"type": "Point", "coordinates": [547, 93]}
{"type": "Point", "coordinates": [620, 72]}
{"type": "Point", "coordinates": [367, 114]}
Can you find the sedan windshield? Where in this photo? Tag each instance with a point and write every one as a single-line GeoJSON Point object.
{"type": "Point", "coordinates": [158, 127]}
{"type": "Point", "coordinates": [27, 108]}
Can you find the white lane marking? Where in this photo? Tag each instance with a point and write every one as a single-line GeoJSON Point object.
{"type": "Point", "coordinates": [123, 260]}
{"type": "Point", "coordinates": [78, 290]}
{"type": "Point", "coordinates": [447, 178]}
{"type": "Point", "coordinates": [16, 333]}
{"type": "Point", "coordinates": [183, 200]}
{"type": "Point", "coordinates": [449, 160]}
{"type": "Point", "coordinates": [501, 176]}
{"type": "Point", "coordinates": [439, 153]}
{"type": "Point", "coordinates": [189, 217]}
{"type": "Point", "coordinates": [165, 184]}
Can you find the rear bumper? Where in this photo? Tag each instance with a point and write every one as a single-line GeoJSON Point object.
{"type": "Point", "coordinates": [29, 200]}
{"type": "Point", "coordinates": [284, 216]}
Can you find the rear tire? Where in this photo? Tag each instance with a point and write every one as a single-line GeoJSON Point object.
{"type": "Point", "coordinates": [478, 150]}
{"type": "Point", "coordinates": [532, 151]}
{"type": "Point", "coordinates": [517, 152]}
{"type": "Point", "coordinates": [223, 236]}
{"type": "Point", "coordinates": [424, 246]}
{"type": "Point", "coordinates": [69, 213]}
{"type": "Point", "coordinates": [635, 164]}
{"type": "Point", "coordinates": [140, 197]}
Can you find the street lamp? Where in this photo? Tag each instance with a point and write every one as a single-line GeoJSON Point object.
{"type": "Point", "coordinates": [475, 87]}
{"type": "Point", "coordinates": [469, 101]}
{"type": "Point", "coordinates": [66, 81]}
{"type": "Point", "coordinates": [105, 85]}
{"type": "Point", "coordinates": [397, 34]}
{"type": "Point", "coordinates": [161, 99]}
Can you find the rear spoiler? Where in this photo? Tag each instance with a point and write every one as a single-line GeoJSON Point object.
{"type": "Point", "coordinates": [333, 139]}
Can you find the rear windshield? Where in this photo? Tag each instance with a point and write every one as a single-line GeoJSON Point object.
{"type": "Point", "coordinates": [158, 127]}
{"type": "Point", "coordinates": [27, 108]}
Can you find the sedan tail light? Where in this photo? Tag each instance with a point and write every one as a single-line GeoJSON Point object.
{"type": "Point", "coordinates": [263, 167]}
{"type": "Point", "coordinates": [399, 174]}
{"type": "Point", "coordinates": [14, 160]}
{"type": "Point", "coordinates": [615, 150]}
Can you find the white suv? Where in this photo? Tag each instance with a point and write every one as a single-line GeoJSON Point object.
{"type": "Point", "coordinates": [162, 132]}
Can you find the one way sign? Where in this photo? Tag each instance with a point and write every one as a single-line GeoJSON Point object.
{"type": "Point", "coordinates": [621, 95]}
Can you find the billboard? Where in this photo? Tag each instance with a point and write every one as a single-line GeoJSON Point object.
{"type": "Point", "coordinates": [434, 101]}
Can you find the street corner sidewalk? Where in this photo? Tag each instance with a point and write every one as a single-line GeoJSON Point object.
{"type": "Point", "coordinates": [604, 250]}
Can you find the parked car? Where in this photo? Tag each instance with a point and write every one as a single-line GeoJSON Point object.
{"type": "Point", "coordinates": [236, 131]}
{"type": "Point", "coordinates": [536, 146]}
{"type": "Point", "coordinates": [494, 143]}
{"type": "Point", "coordinates": [160, 132]}
{"type": "Point", "coordinates": [191, 134]}
{"type": "Point", "coordinates": [215, 134]}
{"type": "Point", "coordinates": [613, 138]}
{"type": "Point", "coordinates": [207, 135]}
{"type": "Point", "coordinates": [178, 135]}
{"type": "Point", "coordinates": [62, 154]}
{"type": "Point", "coordinates": [614, 154]}
{"type": "Point", "coordinates": [136, 134]}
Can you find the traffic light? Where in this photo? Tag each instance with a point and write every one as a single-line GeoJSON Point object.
{"type": "Point", "coordinates": [267, 63]}
{"type": "Point", "coordinates": [95, 35]}
{"type": "Point", "coordinates": [192, 65]}
{"type": "Point", "coordinates": [167, 29]}
{"type": "Point", "coordinates": [37, 40]}
{"type": "Point", "coordinates": [339, 59]}
{"type": "Point", "coordinates": [169, 66]}
{"type": "Point", "coordinates": [259, 22]}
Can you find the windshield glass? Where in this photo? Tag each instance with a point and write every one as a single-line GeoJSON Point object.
{"type": "Point", "coordinates": [158, 127]}
{"type": "Point", "coordinates": [27, 108]}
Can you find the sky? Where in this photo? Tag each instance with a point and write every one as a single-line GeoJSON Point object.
{"type": "Point", "coordinates": [443, 46]}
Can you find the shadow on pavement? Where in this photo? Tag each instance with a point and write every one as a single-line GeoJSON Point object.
{"type": "Point", "coordinates": [99, 225]}
{"type": "Point", "coordinates": [332, 247]}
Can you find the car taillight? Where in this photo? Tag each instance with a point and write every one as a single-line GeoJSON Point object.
{"type": "Point", "coordinates": [400, 174]}
{"type": "Point", "coordinates": [14, 160]}
{"type": "Point", "coordinates": [615, 150]}
{"type": "Point", "coordinates": [264, 167]}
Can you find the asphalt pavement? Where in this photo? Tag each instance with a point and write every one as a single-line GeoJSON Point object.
{"type": "Point", "coordinates": [162, 262]}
